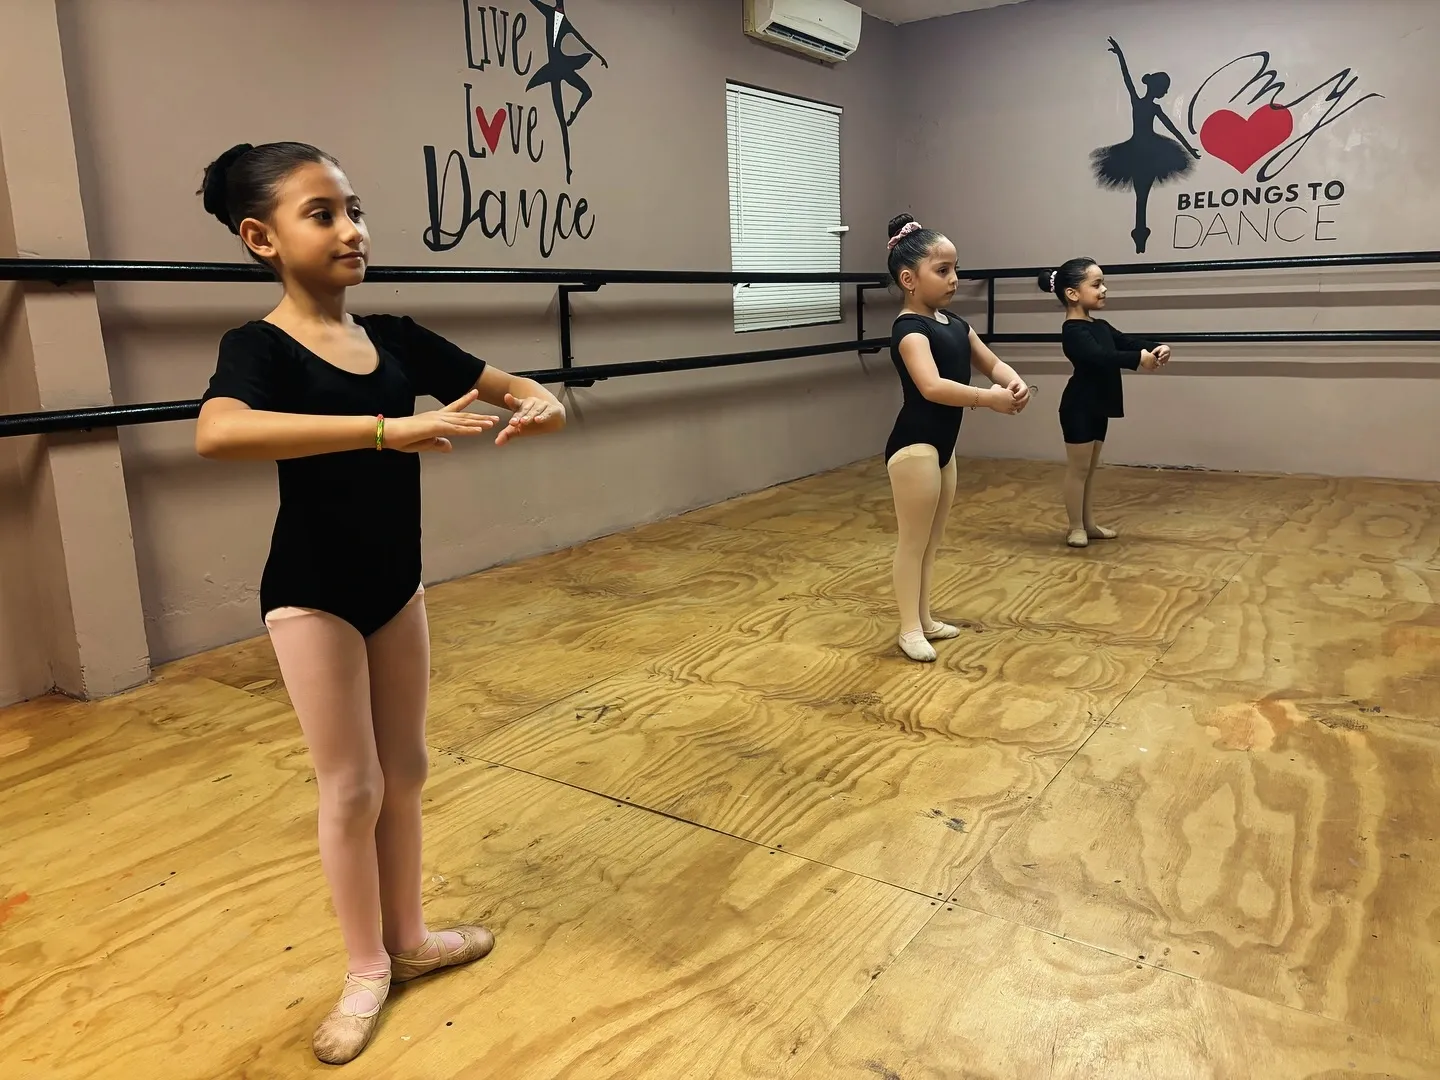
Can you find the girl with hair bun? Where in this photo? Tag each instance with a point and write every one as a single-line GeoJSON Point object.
{"type": "Point", "coordinates": [330, 397]}
{"type": "Point", "coordinates": [1098, 352]}
{"type": "Point", "coordinates": [933, 350]}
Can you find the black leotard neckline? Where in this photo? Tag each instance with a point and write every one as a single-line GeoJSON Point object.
{"type": "Point", "coordinates": [297, 343]}
{"type": "Point", "coordinates": [932, 318]}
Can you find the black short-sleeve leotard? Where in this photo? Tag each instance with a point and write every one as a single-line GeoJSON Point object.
{"type": "Point", "coordinates": [1098, 353]}
{"type": "Point", "coordinates": [921, 420]}
{"type": "Point", "coordinates": [347, 535]}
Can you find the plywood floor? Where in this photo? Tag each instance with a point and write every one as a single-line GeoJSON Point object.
{"type": "Point", "coordinates": [1170, 807]}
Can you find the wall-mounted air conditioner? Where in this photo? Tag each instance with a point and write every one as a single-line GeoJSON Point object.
{"type": "Point", "coordinates": [825, 29]}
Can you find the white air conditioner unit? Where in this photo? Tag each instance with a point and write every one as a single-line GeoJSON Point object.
{"type": "Point", "coordinates": [825, 29]}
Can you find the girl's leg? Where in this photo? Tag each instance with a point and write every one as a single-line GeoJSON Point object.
{"type": "Point", "coordinates": [915, 484]}
{"type": "Point", "coordinates": [934, 629]}
{"type": "Point", "coordinates": [1078, 467]}
{"type": "Point", "coordinates": [399, 659]}
{"type": "Point", "coordinates": [1093, 531]}
{"type": "Point", "coordinates": [323, 662]}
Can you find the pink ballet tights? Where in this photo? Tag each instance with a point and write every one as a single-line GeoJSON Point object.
{"type": "Point", "coordinates": [361, 704]}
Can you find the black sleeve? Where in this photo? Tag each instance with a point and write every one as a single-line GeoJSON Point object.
{"type": "Point", "coordinates": [1089, 346]}
{"type": "Point", "coordinates": [1131, 343]}
{"type": "Point", "coordinates": [251, 368]}
{"type": "Point", "coordinates": [435, 366]}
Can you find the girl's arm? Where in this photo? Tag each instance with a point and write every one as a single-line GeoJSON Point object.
{"type": "Point", "coordinates": [1086, 348]}
{"type": "Point", "coordinates": [440, 368]}
{"type": "Point", "coordinates": [995, 369]}
{"type": "Point", "coordinates": [1130, 342]}
{"type": "Point", "coordinates": [536, 411]}
{"type": "Point", "coordinates": [920, 363]}
{"type": "Point", "coordinates": [230, 430]}
{"type": "Point", "coordinates": [1158, 353]}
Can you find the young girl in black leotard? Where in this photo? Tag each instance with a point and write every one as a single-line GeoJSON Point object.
{"type": "Point", "coordinates": [933, 350]}
{"type": "Point", "coordinates": [330, 397]}
{"type": "Point", "coordinates": [1094, 394]}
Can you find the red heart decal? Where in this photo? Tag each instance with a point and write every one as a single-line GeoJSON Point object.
{"type": "Point", "coordinates": [491, 128]}
{"type": "Point", "coordinates": [1231, 138]}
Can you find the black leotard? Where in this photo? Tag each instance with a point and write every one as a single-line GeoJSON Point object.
{"type": "Point", "coordinates": [347, 536]}
{"type": "Point", "coordinates": [922, 420]}
{"type": "Point", "coordinates": [1098, 352]}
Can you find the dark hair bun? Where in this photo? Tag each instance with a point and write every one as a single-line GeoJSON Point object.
{"type": "Point", "coordinates": [1046, 280]}
{"type": "Point", "coordinates": [215, 190]}
{"type": "Point", "coordinates": [898, 222]}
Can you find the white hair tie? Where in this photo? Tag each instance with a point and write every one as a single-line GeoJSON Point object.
{"type": "Point", "coordinates": [1053, 274]}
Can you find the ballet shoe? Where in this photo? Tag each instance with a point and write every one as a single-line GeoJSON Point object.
{"type": "Point", "coordinates": [1099, 532]}
{"type": "Point", "coordinates": [346, 1029]}
{"type": "Point", "coordinates": [941, 631]}
{"type": "Point", "coordinates": [476, 942]}
{"type": "Point", "coordinates": [1139, 236]}
{"type": "Point", "coordinates": [916, 647]}
{"type": "Point", "coordinates": [1078, 538]}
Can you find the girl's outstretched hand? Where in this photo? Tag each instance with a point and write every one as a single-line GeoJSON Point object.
{"type": "Point", "coordinates": [532, 415]}
{"type": "Point", "coordinates": [432, 431]}
{"type": "Point", "coordinates": [1148, 361]}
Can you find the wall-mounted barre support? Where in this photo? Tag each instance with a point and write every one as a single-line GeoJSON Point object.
{"type": "Point", "coordinates": [567, 355]}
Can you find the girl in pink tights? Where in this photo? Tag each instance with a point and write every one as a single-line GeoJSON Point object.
{"type": "Point", "coordinates": [330, 397]}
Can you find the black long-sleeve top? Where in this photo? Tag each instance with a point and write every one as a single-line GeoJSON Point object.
{"type": "Point", "coordinates": [1098, 352]}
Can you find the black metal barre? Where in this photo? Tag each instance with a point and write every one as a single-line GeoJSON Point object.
{"type": "Point", "coordinates": [63, 271]}
{"type": "Point", "coordinates": [1289, 262]}
{"type": "Point", "coordinates": [1394, 258]}
{"type": "Point", "coordinates": [46, 423]}
{"type": "Point", "coordinates": [1239, 336]}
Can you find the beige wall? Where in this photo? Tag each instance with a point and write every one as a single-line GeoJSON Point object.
{"type": "Point", "coordinates": [70, 616]}
{"type": "Point", "coordinates": [158, 88]}
{"type": "Point", "coordinates": [1004, 108]}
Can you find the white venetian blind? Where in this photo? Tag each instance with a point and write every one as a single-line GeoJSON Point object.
{"type": "Point", "coordinates": [784, 205]}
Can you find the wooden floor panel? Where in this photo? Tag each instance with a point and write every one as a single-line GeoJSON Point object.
{"type": "Point", "coordinates": [976, 998]}
{"type": "Point", "coordinates": [1165, 808]}
{"type": "Point", "coordinates": [1284, 849]}
{"type": "Point", "coordinates": [840, 786]}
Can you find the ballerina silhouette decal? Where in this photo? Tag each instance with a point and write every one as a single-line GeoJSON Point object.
{"type": "Point", "coordinates": [561, 67]}
{"type": "Point", "coordinates": [1146, 158]}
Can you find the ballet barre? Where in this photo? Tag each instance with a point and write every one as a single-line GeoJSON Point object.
{"type": "Point", "coordinates": [569, 281]}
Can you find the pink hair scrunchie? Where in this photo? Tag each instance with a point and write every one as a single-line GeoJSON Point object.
{"type": "Point", "coordinates": [905, 230]}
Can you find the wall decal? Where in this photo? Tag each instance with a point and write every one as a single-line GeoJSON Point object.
{"type": "Point", "coordinates": [502, 42]}
{"type": "Point", "coordinates": [1252, 125]}
{"type": "Point", "coordinates": [1147, 157]}
{"type": "Point", "coordinates": [562, 68]}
